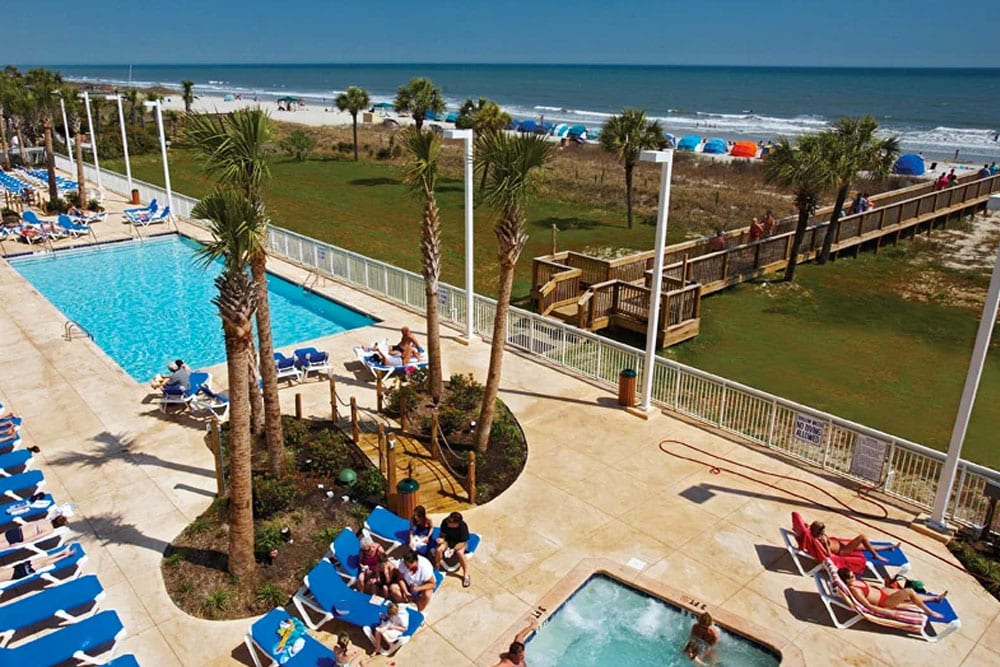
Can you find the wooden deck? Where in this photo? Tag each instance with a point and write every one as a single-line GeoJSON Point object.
{"type": "Point", "coordinates": [439, 491]}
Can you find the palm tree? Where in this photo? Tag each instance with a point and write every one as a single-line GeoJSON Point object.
{"type": "Point", "coordinates": [74, 113]}
{"type": "Point", "coordinates": [424, 149]}
{"type": "Point", "coordinates": [626, 135]}
{"type": "Point", "coordinates": [516, 164]}
{"type": "Point", "coordinates": [805, 168]}
{"type": "Point", "coordinates": [419, 97]}
{"type": "Point", "coordinates": [151, 96]}
{"type": "Point", "coordinates": [234, 149]}
{"type": "Point", "coordinates": [43, 85]}
{"type": "Point", "coordinates": [234, 221]}
{"type": "Point", "coordinates": [354, 100]}
{"type": "Point", "coordinates": [134, 105]}
{"type": "Point", "coordinates": [855, 148]}
{"type": "Point", "coordinates": [187, 94]}
{"type": "Point", "coordinates": [483, 117]}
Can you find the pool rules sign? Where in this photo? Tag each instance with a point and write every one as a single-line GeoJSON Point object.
{"type": "Point", "coordinates": [869, 457]}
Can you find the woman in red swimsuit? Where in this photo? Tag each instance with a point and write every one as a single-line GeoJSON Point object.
{"type": "Point", "coordinates": [874, 596]}
{"type": "Point", "coordinates": [843, 547]}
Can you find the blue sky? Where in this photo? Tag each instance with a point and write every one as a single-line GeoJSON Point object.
{"type": "Point", "coordinates": [695, 32]}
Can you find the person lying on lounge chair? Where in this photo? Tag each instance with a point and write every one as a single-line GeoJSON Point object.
{"type": "Point", "coordinates": [29, 567]}
{"type": "Point", "coordinates": [31, 531]}
{"type": "Point", "coordinates": [407, 347]}
{"type": "Point", "coordinates": [874, 597]}
{"type": "Point", "coordinates": [843, 547]}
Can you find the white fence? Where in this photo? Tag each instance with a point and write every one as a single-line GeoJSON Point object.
{"type": "Point", "coordinates": [907, 470]}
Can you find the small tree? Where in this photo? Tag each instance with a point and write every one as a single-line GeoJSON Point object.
{"type": "Point", "coordinates": [419, 97]}
{"type": "Point", "coordinates": [299, 144]}
{"type": "Point", "coordinates": [187, 94]}
{"type": "Point", "coordinates": [484, 117]}
{"type": "Point", "coordinates": [625, 136]}
{"type": "Point", "coordinates": [353, 101]}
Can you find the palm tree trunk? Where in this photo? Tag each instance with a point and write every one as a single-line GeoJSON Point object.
{"type": "Point", "coordinates": [492, 388]}
{"type": "Point", "coordinates": [354, 117]}
{"type": "Point", "coordinates": [831, 230]}
{"type": "Point", "coordinates": [4, 145]}
{"type": "Point", "coordinates": [241, 529]}
{"type": "Point", "coordinates": [273, 434]}
{"type": "Point", "coordinates": [50, 161]}
{"type": "Point", "coordinates": [78, 148]}
{"type": "Point", "coordinates": [628, 192]}
{"type": "Point", "coordinates": [800, 233]}
{"type": "Point", "coordinates": [431, 247]}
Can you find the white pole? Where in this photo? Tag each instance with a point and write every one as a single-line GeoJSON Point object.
{"type": "Point", "coordinates": [69, 147]}
{"type": "Point", "coordinates": [470, 291]}
{"type": "Point", "coordinates": [93, 145]}
{"type": "Point", "coordinates": [121, 122]}
{"type": "Point", "coordinates": [947, 479]}
{"type": "Point", "coordinates": [163, 151]}
{"type": "Point", "coordinates": [666, 158]}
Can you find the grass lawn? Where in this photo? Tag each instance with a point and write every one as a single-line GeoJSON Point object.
{"type": "Point", "coordinates": [842, 339]}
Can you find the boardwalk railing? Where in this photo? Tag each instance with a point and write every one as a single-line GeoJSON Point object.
{"type": "Point", "coordinates": [903, 468]}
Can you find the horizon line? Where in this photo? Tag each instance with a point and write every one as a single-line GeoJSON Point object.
{"type": "Point", "coordinates": [504, 64]}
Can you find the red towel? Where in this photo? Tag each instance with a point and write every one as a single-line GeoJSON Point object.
{"type": "Point", "coordinates": [854, 561]}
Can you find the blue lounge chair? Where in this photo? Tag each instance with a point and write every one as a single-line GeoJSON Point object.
{"type": "Point", "coordinates": [325, 593]}
{"type": "Point", "coordinates": [17, 512]}
{"type": "Point", "coordinates": [373, 362]}
{"type": "Point", "coordinates": [11, 443]}
{"type": "Point", "coordinates": [262, 639]}
{"type": "Point", "coordinates": [58, 605]}
{"type": "Point", "coordinates": [123, 661]}
{"type": "Point", "coordinates": [177, 395]}
{"type": "Point", "coordinates": [148, 209]}
{"type": "Point", "coordinates": [10, 420]}
{"type": "Point", "coordinates": [207, 400]}
{"type": "Point", "coordinates": [286, 367]}
{"type": "Point", "coordinates": [92, 639]}
{"type": "Point", "coordinates": [144, 220]}
{"type": "Point", "coordinates": [66, 224]}
{"type": "Point", "coordinates": [394, 529]}
{"type": "Point", "coordinates": [19, 487]}
{"type": "Point", "coordinates": [310, 360]}
{"type": "Point", "coordinates": [63, 570]}
{"type": "Point", "coordinates": [346, 548]}
{"type": "Point", "coordinates": [15, 462]}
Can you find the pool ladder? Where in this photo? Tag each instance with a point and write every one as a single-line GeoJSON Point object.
{"type": "Point", "coordinates": [70, 328]}
{"type": "Point", "coordinates": [312, 280]}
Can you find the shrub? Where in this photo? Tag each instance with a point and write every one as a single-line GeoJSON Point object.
{"type": "Point", "coordinates": [94, 205]}
{"type": "Point", "coordinates": [216, 601]}
{"type": "Point", "coordinates": [394, 398]}
{"type": "Point", "coordinates": [73, 198]}
{"type": "Point", "coordinates": [270, 595]}
{"type": "Point", "coordinates": [299, 144]}
{"type": "Point", "coordinates": [324, 536]}
{"type": "Point", "coordinates": [295, 430]}
{"type": "Point", "coordinates": [345, 147]}
{"type": "Point", "coordinates": [451, 420]}
{"type": "Point", "coordinates": [465, 393]}
{"type": "Point", "coordinates": [57, 205]}
{"type": "Point", "coordinates": [271, 496]}
{"type": "Point", "coordinates": [370, 483]}
{"type": "Point", "coordinates": [327, 453]}
{"type": "Point", "coordinates": [267, 538]}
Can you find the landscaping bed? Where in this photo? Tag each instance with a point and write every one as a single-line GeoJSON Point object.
{"type": "Point", "coordinates": [980, 557]}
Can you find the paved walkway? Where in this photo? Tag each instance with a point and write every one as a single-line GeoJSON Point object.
{"type": "Point", "coordinates": [595, 486]}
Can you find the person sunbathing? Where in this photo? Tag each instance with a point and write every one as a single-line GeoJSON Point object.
{"type": "Point", "coordinates": [841, 547]}
{"type": "Point", "coordinates": [29, 567]}
{"type": "Point", "coordinates": [31, 532]}
{"type": "Point", "coordinates": [874, 597]}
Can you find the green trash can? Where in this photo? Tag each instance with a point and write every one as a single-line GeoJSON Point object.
{"type": "Point", "coordinates": [407, 488]}
{"type": "Point", "coordinates": [626, 388]}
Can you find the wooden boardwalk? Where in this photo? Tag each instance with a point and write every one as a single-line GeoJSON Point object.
{"type": "Point", "coordinates": [440, 491]}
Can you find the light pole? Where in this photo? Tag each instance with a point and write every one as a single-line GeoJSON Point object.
{"type": "Point", "coordinates": [470, 292]}
{"type": "Point", "coordinates": [163, 151]}
{"type": "Point", "coordinates": [666, 158]}
{"type": "Point", "coordinates": [93, 145]}
{"type": "Point", "coordinates": [69, 148]}
{"type": "Point", "coordinates": [979, 350]}
{"type": "Point", "coordinates": [121, 122]}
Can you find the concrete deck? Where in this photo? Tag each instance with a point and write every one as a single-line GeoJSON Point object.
{"type": "Point", "coordinates": [596, 486]}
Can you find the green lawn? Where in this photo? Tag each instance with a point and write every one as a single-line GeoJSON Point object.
{"type": "Point", "coordinates": [842, 340]}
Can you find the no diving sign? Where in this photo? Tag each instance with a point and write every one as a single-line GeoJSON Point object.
{"type": "Point", "coordinates": [809, 429]}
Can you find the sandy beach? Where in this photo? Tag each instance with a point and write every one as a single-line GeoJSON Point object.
{"type": "Point", "coordinates": [313, 115]}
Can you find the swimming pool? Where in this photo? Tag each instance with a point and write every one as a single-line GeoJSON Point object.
{"type": "Point", "coordinates": [148, 303]}
{"type": "Point", "coordinates": [606, 622]}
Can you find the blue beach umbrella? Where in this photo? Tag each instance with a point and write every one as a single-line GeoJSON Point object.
{"type": "Point", "coordinates": [385, 105]}
{"type": "Point", "coordinates": [689, 142]}
{"type": "Point", "coordinates": [909, 164]}
{"type": "Point", "coordinates": [560, 130]}
{"type": "Point", "coordinates": [451, 117]}
{"type": "Point", "coordinates": [671, 140]}
{"type": "Point", "coordinates": [715, 147]}
{"type": "Point", "coordinates": [577, 131]}
{"type": "Point", "coordinates": [527, 126]}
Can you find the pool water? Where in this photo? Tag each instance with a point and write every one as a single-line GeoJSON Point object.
{"type": "Point", "coordinates": [149, 303]}
{"type": "Point", "coordinates": [608, 623]}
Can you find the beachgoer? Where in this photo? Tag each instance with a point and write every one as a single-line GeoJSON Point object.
{"type": "Point", "coordinates": [860, 204]}
{"type": "Point", "coordinates": [407, 345]}
{"type": "Point", "coordinates": [942, 182]}
{"type": "Point", "coordinates": [372, 565]}
{"type": "Point", "coordinates": [952, 178]}
{"type": "Point", "coordinates": [31, 531]}
{"type": "Point", "coordinates": [984, 172]}
{"type": "Point", "coordinates": [994, 169]}
{"type": "Point", "coordinates": [453, 540]}
{"type": "Point", "coordinates": [691, 650]}
{"type": "Point", "coordinates": [875, 598]}
{"type": "Point", "coordinates": [514, 657]}
{"type": "Point", "coordinates": [756, 230]}
{"type": "Point", "coordinates": [769, 223]}
{"type": "Point", "coordinates": [843, 547]}
{"type": "Point", "coordinates": [394, 623]}
{"type": "Point", "coordinates": [705, 636]}
{"type": "Point", "coordinates": [344, 655]}
{"type": "Point", "coordinates": [180, 376]}
{"type": "Point", "coordinates": [717, 242]}
{"type": "Point", "coordinates": [957, 150]}
{"type": "Point", "coordinates": [421, 528]}
{"type": "Point", "coordinates": [416, 583]}
{"type": "Point", "coordinates": [29, 567]}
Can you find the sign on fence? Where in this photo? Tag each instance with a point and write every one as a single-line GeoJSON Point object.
{"type": "Point", "coordinates": [869, 457]}
{"type": "Point", "coordinates": [809, 429]}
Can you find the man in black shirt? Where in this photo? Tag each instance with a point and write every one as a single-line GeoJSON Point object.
{"type": "Point", "coordinates": [453, 540]}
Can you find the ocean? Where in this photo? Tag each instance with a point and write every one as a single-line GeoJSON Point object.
{"type": "Point", "coordinates": [934, 111]}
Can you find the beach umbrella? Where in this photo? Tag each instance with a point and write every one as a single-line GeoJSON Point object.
{"type": "Point", "coordinates": [527, 126]}
{"type": "Point", "coordinates": [288, 98]}
{"type": "Point", "coordinates": [560, 130]}
{"type": "Point", "coordinates": [544, 128]}
{"type": "Point", "coordinates": [578, 131]}
{"type": "Point", "coordinates": [228, 97]}
{"type": "Point", "coordinates": [715, 147]}
{"type": "Point", "coordinates": [689, 142]}
{"type": "Point", "coordinates": [909, 164]}
{"type": "Point", "coordinates": [451, 117]}
{"type": "Point", "coordinates": [744, 149]}
{"type": "Point", "coordinates": [385, 105]}
{"type": "Point", "coordinates": [430, 115]}
{"type": "Point", "coordinates": [671, 140]}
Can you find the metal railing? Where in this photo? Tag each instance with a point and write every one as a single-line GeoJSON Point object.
{"type": "Point", "coordinates": [906, 469]}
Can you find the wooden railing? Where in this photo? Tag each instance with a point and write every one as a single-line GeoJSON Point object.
{"type": "Point", "coordinates": [616, 302]}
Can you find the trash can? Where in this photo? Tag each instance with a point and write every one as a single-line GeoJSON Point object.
{"type": "Point", "coordinates": [135, 197]}
{"type": "Point", "coordinates": [407, 488]}
{"type": "Point", "coordinates": [626, 388]}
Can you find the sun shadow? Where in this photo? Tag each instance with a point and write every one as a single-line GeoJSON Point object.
{"type": "Point", "coordinates": [112, 446]}
{"type": "Point", "coordinates": [774, 558]}
{"type": "Point", "coordinates": [568, 224]}
{"type": "Point", "coordinates": [373, 182]}
{"type": "Point", "coordinates": [807, 606]}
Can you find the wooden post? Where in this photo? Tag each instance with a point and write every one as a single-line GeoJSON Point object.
{"type": "Point", "coordinates": [216, 443]}
{"type": "Point", "coordinates": [471, 480]}
{"type": "Point", "coordinates": [403, 409]}
{"type": "Point", "coordinates": [392, 494]}
{"type": "Point", "coordinates": [555, 232]}
{"type": "Point", "coordinates": [381, 449]}
{"type": "Point", "coordinates": [298, 406]}
{"type": "Point", "coordinates": [435, 445]}
{"type": "Point", "coordinates": [355, 427]}
{"type": "Point", "coordinates": [725, 266]}
{"type": "Point", "coordinates": [378, 394]}
{"type": "Point", "coordinates": [684, 271]}
{"type": "Point", "coordinates": [333, 400]}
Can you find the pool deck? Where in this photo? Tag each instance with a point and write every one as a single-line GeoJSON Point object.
{"type": "Point", "coordinates": [596, 490]}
